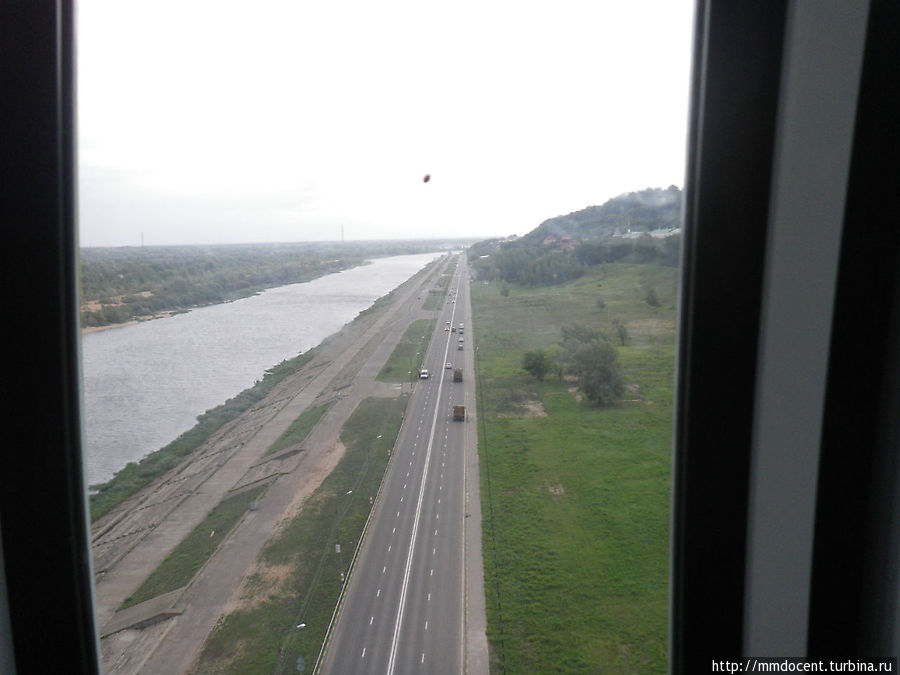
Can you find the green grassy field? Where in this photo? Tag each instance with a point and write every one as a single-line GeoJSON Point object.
{"type": "Point", "coordinates": [407, 357]}
{"type": "Point", "coordinates": [436, 296]}
{"type": "Point", "coordinates": [576, 497]}
{"type": "Point", "coordinates": [435, 299]}
{"type": "Point", "coordinates": [190, 555]}
{"type": "Point", "coordinates": [298, 576]}
{"type": "Point", "coordinates": [299, 429]}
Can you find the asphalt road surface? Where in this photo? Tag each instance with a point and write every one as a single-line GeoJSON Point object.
{"type": "Point", "coordinates": [404, 609]}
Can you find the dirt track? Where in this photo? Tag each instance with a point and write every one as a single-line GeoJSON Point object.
{"type": "Point", "coordinates": [130, 542]}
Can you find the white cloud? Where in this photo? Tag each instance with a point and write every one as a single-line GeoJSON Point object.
{"type": "Point", "coordinates": [265, 121]}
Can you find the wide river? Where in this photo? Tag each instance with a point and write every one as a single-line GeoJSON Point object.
{"type": "Point", "coordinates": [143, 385]}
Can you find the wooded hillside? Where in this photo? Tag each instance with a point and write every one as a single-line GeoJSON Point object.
{"type": "Point", "coordinates": [638, 227]}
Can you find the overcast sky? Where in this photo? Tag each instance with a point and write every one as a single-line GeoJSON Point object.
{"type": "Point", "coordinates": [288, 120]}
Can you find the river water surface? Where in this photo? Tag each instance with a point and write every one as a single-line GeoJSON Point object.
{"type": "Point", "coordinates": [143, 385]}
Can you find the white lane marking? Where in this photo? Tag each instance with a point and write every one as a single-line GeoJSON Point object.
{"type": "Point", "coordinates": [371, 619]}
{"type": "Point", "coordinates": [383, 569]}
{"type": "Point", "coordinates": [363, 655]}
{"type": "Point", "coordinates": [378, 594]}
{"type": "Point", "coordinates": [426, 625]}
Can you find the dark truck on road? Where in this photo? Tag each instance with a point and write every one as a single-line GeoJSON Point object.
{"type": "Point", "coordinates": [459, 413]}
{"type": "Point", "coordinates": [457, 374]}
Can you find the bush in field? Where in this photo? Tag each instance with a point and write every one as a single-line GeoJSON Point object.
{"type": "Point", "coordinates": [621, 331]}
{"type": "Point", "coordinates": [538, 363]}
{"type": "Point", "coordinates": [593, 359]}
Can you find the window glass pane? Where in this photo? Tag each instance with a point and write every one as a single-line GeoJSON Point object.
{"type": "Point", "coordinates": [327, 244]}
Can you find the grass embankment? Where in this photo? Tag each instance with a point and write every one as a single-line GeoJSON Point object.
{"type": "Point", "coordinates": [298, 575]}
{"type": "Point", "coordinates": [299, 429]}
{"type": "Point", "coordinates": [436, 295]}
{"type": "Point", "coordinates": [407, 357]}
{"type": "Point", "coordinates": [191, 554]}
{"type": "Point", "coordinates": [435, 300]}
{"type": "Point", "coordinates": [576, 497]}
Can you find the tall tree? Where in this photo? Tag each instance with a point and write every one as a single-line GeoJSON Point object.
{"type": "Point", "coordinates": [538, 363]}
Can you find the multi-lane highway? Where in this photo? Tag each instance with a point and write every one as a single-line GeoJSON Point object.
{"type": "Point", "coordinates": [404, 608]}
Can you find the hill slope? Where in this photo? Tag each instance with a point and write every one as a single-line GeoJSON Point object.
{"type": "Point", "coordinates": [639, 227]}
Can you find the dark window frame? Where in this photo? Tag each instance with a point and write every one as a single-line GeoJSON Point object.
{"type": "Point", "coordinates": [46, 612]}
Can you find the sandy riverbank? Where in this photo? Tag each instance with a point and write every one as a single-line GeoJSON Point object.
{"type": "Point", "coordinates": [87, 330]}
